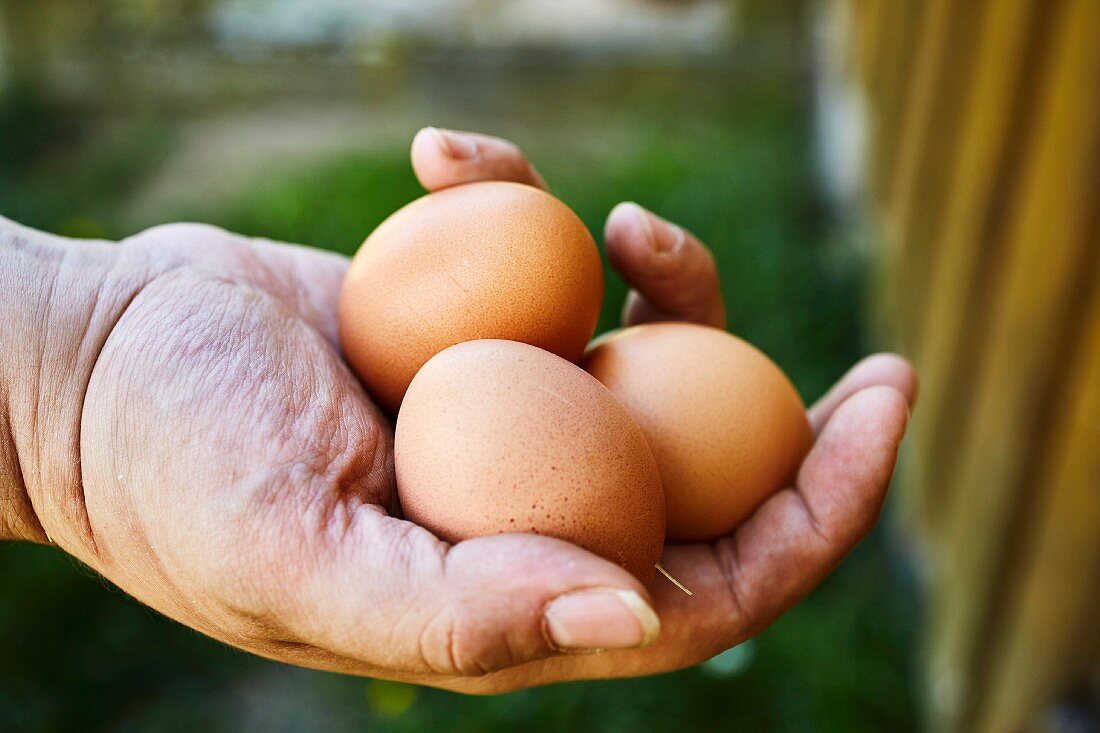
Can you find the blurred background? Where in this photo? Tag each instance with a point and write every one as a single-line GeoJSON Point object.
{"type": "Point", "coordinates": [921, 176]}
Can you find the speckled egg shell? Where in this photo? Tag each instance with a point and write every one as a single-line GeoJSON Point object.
{"type": "Point", "coordinates": [497, 436]}
{"type": "Point", "coordinates": [481, 260]}
{"type": "Point", "coordinates": [727, 427]}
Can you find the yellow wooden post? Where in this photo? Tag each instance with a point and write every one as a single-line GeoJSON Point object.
{"type": "Point", "coordinates": [1044, 244]}
{"type": "Point", "coordinates": [986, 196]}
{"type": "Point", "coordinates": [927, 132]}
{"type": "Point", "coordinates": [992, 122]}
{"type": "Point", "coordinates": [1052, 609]}
{"type": "Point", "coordinates": [887, 80]}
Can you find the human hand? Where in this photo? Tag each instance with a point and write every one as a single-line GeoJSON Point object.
{"type": "Point", "coordinates": [210, 453]}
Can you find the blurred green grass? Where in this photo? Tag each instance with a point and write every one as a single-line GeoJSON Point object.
{"type": "Point", "coordinates": [78, 655]}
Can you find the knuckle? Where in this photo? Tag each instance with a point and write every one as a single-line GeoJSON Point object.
{"type": "Point", "coordinates": [180, 232]}
{"type": "Point", "coordinates": [178, 244]}
{"type": "Point", "coordinates": [669, 272]}
{"type": "Point", "coordinates": [452, 646]}
{"type": "Point", "coordinates": [728, 560]}
{"type": "Point", "coordinates": [686, 285]}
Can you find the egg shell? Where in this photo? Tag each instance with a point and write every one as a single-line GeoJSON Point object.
{"type": "Point", "coordinates": [727, 427]}
{"type": "Point", "coordinates": [476, 261]}
{"type": "Point", "coordinates": [498, 436]}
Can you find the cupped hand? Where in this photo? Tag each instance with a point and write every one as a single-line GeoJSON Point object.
{"type": "Point", "coordinates": [237, 477]}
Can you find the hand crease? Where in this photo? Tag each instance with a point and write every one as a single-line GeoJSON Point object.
{"type": "Point", "coordinates": [730, 571]}
{"type": "Point", "coordinates": [108, 332]}
{"type": "Point", "coordinates": [815, 524]}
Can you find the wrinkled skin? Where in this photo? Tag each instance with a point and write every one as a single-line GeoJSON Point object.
{"type": "Point", "coordinates": [177, 415]}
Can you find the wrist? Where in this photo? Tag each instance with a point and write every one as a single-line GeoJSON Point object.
{"type": "Point", "coordinates": [25, 275]}
{"type": "Point", "coordinates": [17, 520]}
{"type": "Point", "coordinates": [58, 302]}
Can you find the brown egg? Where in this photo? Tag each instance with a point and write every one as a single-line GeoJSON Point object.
{"type": "Point", "coordinates": [498, 436]}
{"type": "Point", "coordinates": [481, 260]}
{"type": "Point", "coordinates": [727, 427]}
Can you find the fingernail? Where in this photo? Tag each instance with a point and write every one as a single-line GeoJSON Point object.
{"type": "Point", "coordinates": [662, 236]}
{"type": "Point", "coordinates": [454, 144]}
{"type": "Point", "coordinates": [600, 618]}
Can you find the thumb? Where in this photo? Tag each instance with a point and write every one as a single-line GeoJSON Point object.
{"type": "Point", "coordinates": [396, 598]}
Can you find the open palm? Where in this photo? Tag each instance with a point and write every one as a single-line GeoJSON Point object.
{"type": "Point", "coordinates": [238, 478]}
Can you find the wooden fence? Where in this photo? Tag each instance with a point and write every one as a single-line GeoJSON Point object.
{"type": "Point", "coordinates": [984, 177]}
